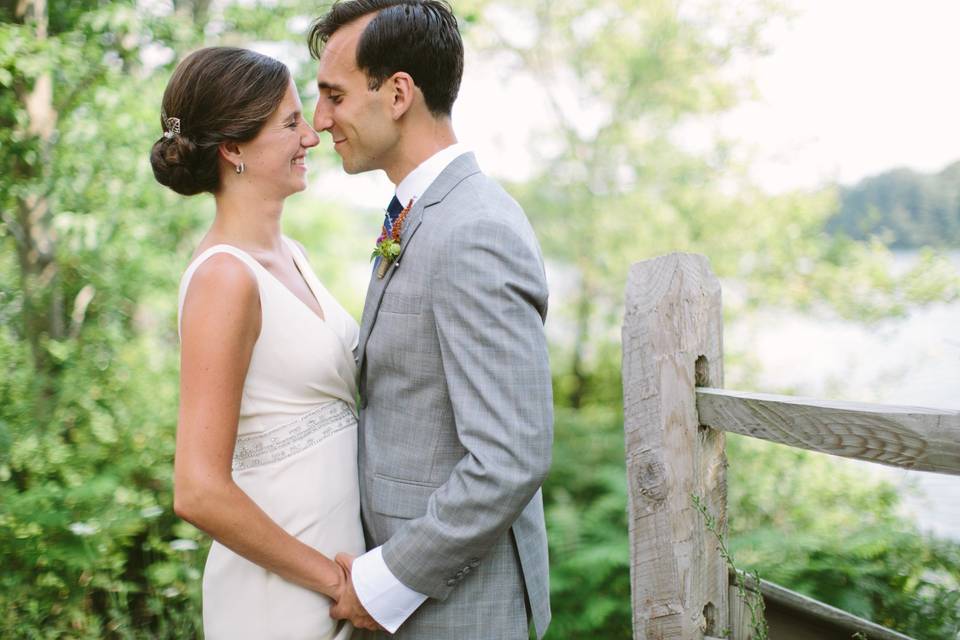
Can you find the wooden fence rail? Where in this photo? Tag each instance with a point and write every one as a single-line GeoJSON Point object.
{"type": "Point", "coordinates": [908, 437]}
{"type": "Point", "coordinates": [675, 416]}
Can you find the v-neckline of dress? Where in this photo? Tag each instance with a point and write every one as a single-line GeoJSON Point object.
{"type": "Point", "coordinates": [294, 251]}
{"type": "Point", "coordinates": [299, 268]}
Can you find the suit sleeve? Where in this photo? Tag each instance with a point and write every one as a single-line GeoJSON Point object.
{"type": "Point", "coordinates": [489, 300]}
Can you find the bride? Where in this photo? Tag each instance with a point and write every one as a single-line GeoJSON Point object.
{"type": "Point", "coordinates": [266, 455]}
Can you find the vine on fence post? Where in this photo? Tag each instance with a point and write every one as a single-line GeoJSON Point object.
{"type": "Point", "coordinates": [752, 599]}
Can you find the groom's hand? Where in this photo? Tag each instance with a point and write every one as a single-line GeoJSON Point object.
{"type": "Point", "coordinates": [349, 607]}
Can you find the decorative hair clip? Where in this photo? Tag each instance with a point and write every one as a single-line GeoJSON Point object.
{"type": "Point", "coordinates": [173, 128]}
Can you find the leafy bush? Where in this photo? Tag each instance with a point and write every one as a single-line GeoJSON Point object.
{"type": "Point", "coordinates": [586, 498]}
{"type": "Point", "coordinates": [831, 529]}
{"type": "Point", "coordinates": [89, 544]}
{"type": "Point", "coordinates": [815, 524]}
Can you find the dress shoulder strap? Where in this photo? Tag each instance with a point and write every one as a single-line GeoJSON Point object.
{"type": "Point", "coordinates": [306, 271]}
{"type": "Point", "coordinates": [294, 247]}
{"type": "Point", "coordinates": [239, 254]}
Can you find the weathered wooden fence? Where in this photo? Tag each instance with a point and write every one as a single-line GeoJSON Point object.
{"type": "Point", "coordinates": [675, 417]}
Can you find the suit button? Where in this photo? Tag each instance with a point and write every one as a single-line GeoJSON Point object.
{"type": "Point", "coordinates": [475, 563]}
{"type": "Point", "coordinates": [466, 570]}
{"type": "Point", "coordinates": [451, 582]}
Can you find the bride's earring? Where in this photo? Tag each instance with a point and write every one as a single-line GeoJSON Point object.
{"type": "Point", "coordinates": [239, 168]}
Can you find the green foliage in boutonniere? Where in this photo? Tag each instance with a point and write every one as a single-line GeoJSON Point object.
{"type": "Point", "coordinates": [387, 248]}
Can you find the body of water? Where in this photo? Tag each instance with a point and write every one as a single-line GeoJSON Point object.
{"type": "Point", "coordinates": [909, 361]}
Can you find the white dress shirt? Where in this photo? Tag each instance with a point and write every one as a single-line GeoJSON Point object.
{"type": "Point", "coordinates": [386, 599]}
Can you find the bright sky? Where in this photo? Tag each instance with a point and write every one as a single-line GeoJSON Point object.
{"type": "Point", "coordinates": [855, 87]}
{"type": "Point", "coordinates": [852, 88]}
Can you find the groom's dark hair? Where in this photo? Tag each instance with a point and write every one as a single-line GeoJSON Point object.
{"type": "Point", "coordinates": [419, 37]}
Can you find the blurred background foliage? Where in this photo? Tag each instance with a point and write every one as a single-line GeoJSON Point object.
{"type": "Point", "coordinates": [91, 250]}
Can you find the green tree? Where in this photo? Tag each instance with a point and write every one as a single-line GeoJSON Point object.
{"type": "Point", "coordinates": [87, 401]}
{"type": "Point", "coordinates": [92, 251]}
{"type": "Point", "coordinates": [614, 184]}
{"type": "Point", "coordinates": [903, 208]}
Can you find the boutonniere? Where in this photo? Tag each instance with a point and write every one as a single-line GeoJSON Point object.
{"type": "Point", "coordinates": [388, 244]}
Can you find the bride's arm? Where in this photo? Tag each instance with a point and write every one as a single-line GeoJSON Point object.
{"type": "Point", "coordinates": [220, 324]}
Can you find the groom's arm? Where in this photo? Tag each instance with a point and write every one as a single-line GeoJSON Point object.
{"type": "Point", "coordinates": [489, 296]}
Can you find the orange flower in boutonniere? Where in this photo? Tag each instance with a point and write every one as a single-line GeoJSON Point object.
{"type": "Point", "coordinates": [388, 244]}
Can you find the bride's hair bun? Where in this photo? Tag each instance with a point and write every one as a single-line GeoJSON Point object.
{"type": "Point", "coordinates": [217, 95]}
{"type": "Point", "coordinates": [179, 164]}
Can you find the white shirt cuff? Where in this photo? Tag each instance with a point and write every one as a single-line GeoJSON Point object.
{"type": "Point", "coordinates": [386, 599]}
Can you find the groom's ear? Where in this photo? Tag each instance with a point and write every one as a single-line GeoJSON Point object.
{"type": "Point", "coordinates": [230, 151]}
{"type": "Point", "coordinates": [403, 92]}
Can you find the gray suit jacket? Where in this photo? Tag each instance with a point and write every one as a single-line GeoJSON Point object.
{"type": "Point", "coordinates": [456, 420]}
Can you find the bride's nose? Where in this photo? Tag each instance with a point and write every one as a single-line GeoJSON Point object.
{"type": "Point", "coordinates": [309, 138]}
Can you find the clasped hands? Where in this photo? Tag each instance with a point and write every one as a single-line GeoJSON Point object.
{"type": "Point", "coordinates": [348, 606]}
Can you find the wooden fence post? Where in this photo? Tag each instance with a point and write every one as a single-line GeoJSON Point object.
{"type": "Point", "coordinates": [672, 342]}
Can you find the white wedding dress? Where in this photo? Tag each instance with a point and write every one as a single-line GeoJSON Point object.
{"type": "Point", "coordinates": [295, 456]}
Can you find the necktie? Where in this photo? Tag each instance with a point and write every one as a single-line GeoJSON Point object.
{"type": "Point", "coordinates": [393, 210]}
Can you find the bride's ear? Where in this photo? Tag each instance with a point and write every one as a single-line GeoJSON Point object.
{"type": "Point", "coordinates": [230, 152]}
{"type": "Point", "coordinates": [403, 92]}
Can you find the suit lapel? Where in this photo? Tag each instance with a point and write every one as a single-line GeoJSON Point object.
{"type": "Point", "coordinates": [378, 285]}
{"type": "Point", "coordinates": [459, 169]}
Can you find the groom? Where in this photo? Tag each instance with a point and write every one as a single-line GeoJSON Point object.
{"type": "Point", "coordinates": [455, 393]}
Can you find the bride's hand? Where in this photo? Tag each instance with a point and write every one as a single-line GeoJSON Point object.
{"type": "Point", "coordinates": [341, 581]}
{"type": "Point", "coordinates": [348, 605]}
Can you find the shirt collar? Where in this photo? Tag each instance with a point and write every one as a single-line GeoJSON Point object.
{"type": "Point", "coordinates": [419, 180]}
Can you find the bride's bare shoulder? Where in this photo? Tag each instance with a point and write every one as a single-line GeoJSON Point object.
{"type": "Point", "coordinates": [226, 270]}
{"type": "Point", "coordinates": [223, 287]}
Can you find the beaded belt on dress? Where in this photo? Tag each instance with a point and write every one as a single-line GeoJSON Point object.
{"type": "Point", "coordinates": [289, 439]}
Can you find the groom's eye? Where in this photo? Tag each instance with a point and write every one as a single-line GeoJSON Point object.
{"type": "Point", "coordinates": [336, 99]}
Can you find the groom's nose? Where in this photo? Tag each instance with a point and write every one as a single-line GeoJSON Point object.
{"type": "Point", "coordinates": [321, 116]}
